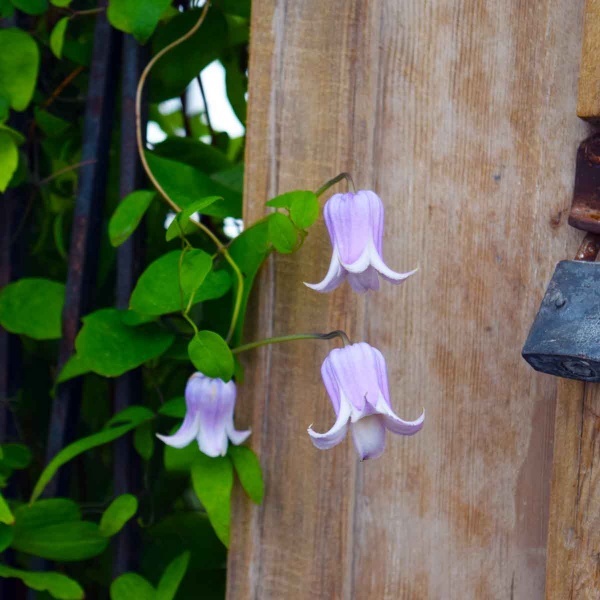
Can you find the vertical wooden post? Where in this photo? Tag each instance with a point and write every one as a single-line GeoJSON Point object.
{"type": "Point", "coordinates": [574, 531]}
{"type": "Point", "coordinates": [462, 117]}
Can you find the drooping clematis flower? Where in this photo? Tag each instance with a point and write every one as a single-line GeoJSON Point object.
{"type": "Point", "coordinates": [355, 225]}
{"type": "Point", "coordinates": [209, 416]}
{"type": "Point", "coordinates": [356, 380]}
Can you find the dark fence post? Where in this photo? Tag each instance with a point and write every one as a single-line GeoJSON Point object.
{"type": "Point", "coordinates": [129, 259]}
{"type": "Point", "coordinates": [85, 234]}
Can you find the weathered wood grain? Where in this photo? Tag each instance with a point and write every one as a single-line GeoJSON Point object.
{"type": "Point", "coordinates": [461, 115]}
{"type": "Point", "coordinates": [574, 530]}
{"type": "Point", "coordinates": [588, 101]}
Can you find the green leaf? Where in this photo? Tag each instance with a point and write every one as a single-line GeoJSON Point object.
{"type": "Point", "coordinates": [19, 64]}
{"type": "Point", "coordinates": [128, 214]}
{"type": "Point", "coordinates": [236, 83]}
{"type": "Point", "coordinates": [282, 233]}
{"type": "Point", "coordinates": [143, 440]}
{"type": "Point", "coordinates": [131, 586]}
{"type": "Point", "coordinates": [50, 124]}
{"type": "Point", "coordinates": [193, 153]}
{"type": "Point", "coordinates": [74, 367]}
{"type": "Point", "coordinates": [51, 511]}
{"type": "Point", "coordinates": [17, 136]}
{"type": "Point", "coordinates": [57, 37]}
{"type": "Point", "coordinates": [6, 536]}
{"type": "Point", "coordinates": [286, 200]}
{"type": "Point", "coordinates": [211, 355]}
{"type": "Point", "coordinates": [56, 584]}
{"type": "Point", "coordinates": [31, 7]}
{"type": "Point", "coordinates": [61, 3]}
{"type": "Point", "coordinates": [247, 467]}
{"type": "Point", "coordinates": [212, 480]}
{"type": "Point", "coordinates": [15, 456]}
{"type": "Point", "coordinates": [33, 307]}
{"type": "Point", "coordinates": [175, 407]}
{"type": "Point", "coordinates": [171, 578]}
{"type": "Point", "coordinates": [9, 159]}
{"type": "Point", "coordinates": [186, 184]}
{"type": "Point", "coordinates": [65, 542]}
{"type": "Point", "coordinates": [172, 73]}
{"type": "Point", "coordinates": [304, 209]}
{"type": "Point", "coordinates": [157, 291]}
{"type": "Point", "coordinates": [249, 250]}
{"type": "Point", "coordinates": [6, 515]}
{"type": "Point", "coordinates": [110, 348]}
{"type": "Point", "coordinates": [181, 225]}
{"type": "Point", "coordinates": [139, 17]}
{"type": "Point", "coordinates": [240, 8]}
{"type": "Point", "coordinates": [216, 284]}
{"type": "Point", "coordinates": [120, 510]}
{"type": "Point", "coordinates": [119, 425]}
{"type": "Point", "coordinates": [180, 460]}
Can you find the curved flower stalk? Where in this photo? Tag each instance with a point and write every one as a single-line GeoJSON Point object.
{"type": "Point", "coordinates": [355, 225]}
{"type": "Point", "coordinates": [209, 417]}
{"type": "Point", "coordinates": [356, 380]}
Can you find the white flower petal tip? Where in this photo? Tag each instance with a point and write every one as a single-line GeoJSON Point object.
{"type": "Point", "coordinates": [355, 377]}
{"type": "Point", "coordinates": [355, 225]}
{"type": "Point", "coordinates": [210, 404]}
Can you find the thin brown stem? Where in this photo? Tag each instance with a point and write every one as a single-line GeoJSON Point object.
{"type": "Point", "coordinates": [60, 172]}
{"type": "Point", "coordinates": [174, 206]}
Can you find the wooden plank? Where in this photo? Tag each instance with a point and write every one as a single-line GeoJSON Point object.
{"type": "Point", "coordinates": [588, 101]}
{"type": "Point", "coordinates": [462, 117]}
{"type": "Point", "coordinates": [574, 530]}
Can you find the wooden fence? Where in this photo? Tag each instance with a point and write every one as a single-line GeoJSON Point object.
{"type": "Point", "coordinates": [462, 116]}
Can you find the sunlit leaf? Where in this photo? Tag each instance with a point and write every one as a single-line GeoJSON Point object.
{"type": "Point", "coordinates": [120, 510]}
{"type": "Point", "coordinates": [119, 425]}
{"type": "Point", "coordinates": [110, 348]}
{"type": "Point", "coordinates": [57, 37]}
{"type": "Point", "coordinates": [282, 233]}
{"type": "Point", "coordinates": [248, 469]}
{"type": "Point", "coordinates": [31, 7]}
{"type": "Point", "coordinates": [212, 480]}
{"type": "Point", "coordinates": [138, 17]}
{"type": "Point", "coordinates": [181, 223]}
{"type": "Point", "coordinates": [9, 159]}
{"type": "Point", "coordinates": [185, 184]}
{"type": "Point", "coordinates": [128, 214]}
{"type": "Point", "coordinates": [33, 307]}
{"type": "Point", "coordinates": [131, 586]}
{"type": "Point", "coordinates": [50, 529]}
{"type": "Point", "coordinates": [171, 578]}
{"type": "Point", "coordinates": [19, 63]}
{"type": "Point", "coordinates": [56, 584]}
{"type": "Point", "coordinates": [304, 209]}
{"type": "Point", "coordinates": [211, 355]}
{"type": "Point", "coordinates": [6, 515]}
{"type": "Point", "coordinates": [158, 291]}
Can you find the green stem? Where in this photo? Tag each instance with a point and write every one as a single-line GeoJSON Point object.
{"type": "Point", "coordinates": [293, 337]}
{"type": "Point", "coordinates": [333, 181]}
{"type": "Point", "coordinates": [238, 293]}
{"type": "Point", "coordinates": [190, 321]}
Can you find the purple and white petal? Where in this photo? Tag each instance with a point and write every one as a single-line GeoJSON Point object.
{"type": "Point", "coordinates": [397, 425]}
{"type": "Point", "coordinates": [335, 277]}
{"type": "Point", "coordinates": [392, 276]}
{"type": "Point", "coordinates": [365, 281]}
{"type": "Point", "coordinates": [325, 441]}
{"type": "Point", "coordinates": [368, 434]}
{"type": "Point", "coordinates": [185, 434]}
{"type": "Point", "coordinates": [237, 437]}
